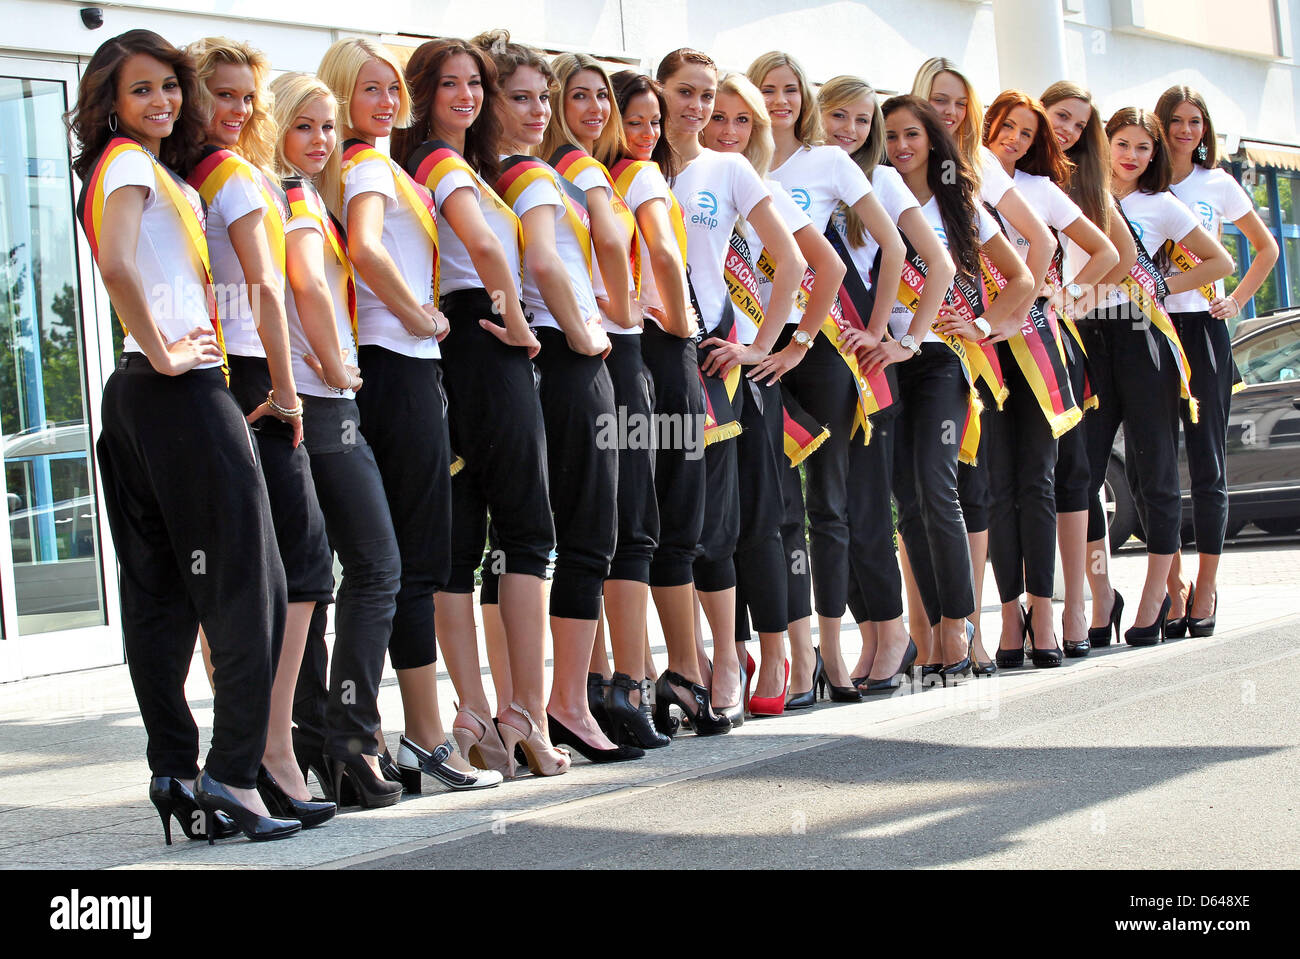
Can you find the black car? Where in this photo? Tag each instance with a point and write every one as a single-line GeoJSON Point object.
{"type": "Point", "coordinates": [1263, 439]}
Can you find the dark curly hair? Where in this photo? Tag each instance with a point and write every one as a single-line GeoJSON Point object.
{"type": "Point", "coordinates": [87, 122]}
{"type": "Point", "coordinates": [422, 73]}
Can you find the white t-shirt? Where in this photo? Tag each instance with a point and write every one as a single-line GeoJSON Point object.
{"type": "Point", "coordinates": [456, 270]}
{"type": "Point", "coordinates": [592, 179]}
{"type": "Point", "coordinates": [409, 246]}
{"type": "Point", "coordinates": [714, 190]}
{"type": "Point", "coordinates": [173, 282]}
{"type": "Point", "coordinates": [648, 184]}
{"type": "Point", "coordinates": [994, 182]}
{"type": "Point", "coordinates": [1213, 196]}
{"type": "Point", "coordinates": [900, 319]}
{"type": "Point", "coordinates": [1051, 204]}
{"type": "Point", "coordinates": [795, 219]}
{"type": "Point", "coordinates": [896, 198]}
{"type": "Point", "coordinates": [819, 178]}
{"type": "Point", "coordinates": [1156, 217]}
{"type": "Point", "coordinates": [546, 192]}
{"type": "Point", "coordinates": [238, 197]}
{"type": "Point", "coordinates": [306, 378]}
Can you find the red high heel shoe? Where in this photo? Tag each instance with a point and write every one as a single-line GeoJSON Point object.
{"type": "Point", "coordinates": [771, 705]}
{"type": "Point", "coordinates": [750, 669]}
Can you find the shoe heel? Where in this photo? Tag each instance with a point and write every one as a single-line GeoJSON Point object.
{"type": "Point", "coordinates": [663, 717]}
{"type": "Point", "coordinates": [411, 780]}
{"type": "Point", "coordinates": [165, 814]}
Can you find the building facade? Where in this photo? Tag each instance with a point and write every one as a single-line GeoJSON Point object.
{"type": "Point", "coordinates": [58, 585]}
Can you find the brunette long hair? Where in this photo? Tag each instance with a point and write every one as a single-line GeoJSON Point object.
{"type": "Point", "coordinates": [423, 72]}
{"type": "Point", "coordinates": [1184, 94]}
{"type": "Point", "coordinates": [949, 177]}
{"type": "Point", "coordinates": [628, 84]}
{"type": "Point", "coordinates": [1090, 181]}
{"type": "Point", "coordinates": [1159, 172]}
{"type": "Point", "coordinates": [88, 121]}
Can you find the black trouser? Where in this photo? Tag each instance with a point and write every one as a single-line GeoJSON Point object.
{"type": "Point", "coordinates": [876, 586]}
{"type": "Point", "coordinates": [715, 567]}
{"type": "Point", "coordinates": [638, 513]}
{"type": "Point", "coordinates": [679, 465]}
{"type": "Point", "coordinates": [1209, 353]}
{"type": "Point", "coordinates": [582, 454]}
{"type": "Point", "coordinates": [934, 396]}
{"type": "Point", "coordinates": [760, 559]}
{"type": "Point", "coordinates": [794, 543]}
{"type": "Point", "coordinates": [1021, 454]}
{"type": "Point", "coordinates": [344, 717]}
{"type": "Point", "coordinates": [1072, 478]}
{"type": "Point", "coordinates": [1142, 394]}
{"type": "Point", "coordinates": [192, 529]}
{"type": "Point", "coordinates": [299, 525]}
{"type": "Point", "coordinates": [824, 387]}
{"type": "Point", "coordinates": [495, 421]}
{"type": "Point", "coordinates": [973, 481]}
{"type": "Point", "coordinates": [403, 419]}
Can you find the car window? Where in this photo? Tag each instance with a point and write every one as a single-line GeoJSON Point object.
{"type": "Point", "coordinates": [1272, 357]}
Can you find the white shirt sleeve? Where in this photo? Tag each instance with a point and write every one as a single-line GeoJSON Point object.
{"type": "Point", "coordinates": [1060, 211]}
{"type": "Point", "coordinates": [791, 214]}
{"type": "Point", "coordinates": [648, 184]}
{"type": "Point", "coordinates": [893, 193]}
{"type": "Point", "coordinates": [541, 192]}
{"type": "Point", "coordinates": [452, 182]}
{"type": "Point", "coordinates": [304, 223]}
{"type": "Point", "coordinates": [848, 182]}
{"type": "Point", "coordinates": [747, 190]}
{"type": "Point", "coordinates": [238, 197]}
{"type": "Point", "coordinates": [1175, 220]}
{"type": "Point", "coordinates": [1233, 200]}
{"type": "Point", "coordinates": [371, 176]}
{"type": "Point", "coordinates": [591, 179]}
{"type": "Point", "coordinates": [988, 227]}
{"type": "Point", "coordinates": [132, 168]}
{"type": "Point", "coordinates": [994, 182]}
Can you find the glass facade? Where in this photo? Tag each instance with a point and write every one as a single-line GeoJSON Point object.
{"type": "Point", "coordinates": [1276, 195]}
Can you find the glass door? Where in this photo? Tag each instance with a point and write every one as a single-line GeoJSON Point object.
{"type": "Point", "coordinates": [54, 592]}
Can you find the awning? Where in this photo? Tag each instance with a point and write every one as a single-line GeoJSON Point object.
{"type": "Point", "coordinates": [1270, 155]}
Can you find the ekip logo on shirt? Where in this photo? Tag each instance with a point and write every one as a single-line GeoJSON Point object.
{"type": "Point", "coordinates": [707, 205]}
{"type": "Point", "coordinates": [800, 196]}
{"type": "Point", "coordinates": [1206, 213]}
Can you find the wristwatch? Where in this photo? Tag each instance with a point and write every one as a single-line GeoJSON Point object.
{"type": "Point", "coordinates": [1074, 290]}
{"type": "Point", "coordinates": [802, 339]}
{"type": "Point", "coordinates": [982, 325]}
{"type": "Point", "coordinates": [908, 342]}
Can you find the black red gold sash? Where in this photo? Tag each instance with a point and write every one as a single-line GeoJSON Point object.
{"type": "Point", "coordinates": [214, 170]}
{"type": "Point", "coordinates": [625, 172]}
{"type": "Point", "coordinates": [1186, 261]}
{"type": "Point", "coordinates": [803, 434]}
{"type": "Point", "coordinates": [304, 201]}
{"type": "Point", "coordinates": [720, 420]}
{"type": "Point", "coordinates": [90, 213]}
{"type": "Point", "coordinates": [569, 161]}
{"type": "Point", "coordinates": [417, 199]}
{"type": "Point", "coordinates": [518, 173]}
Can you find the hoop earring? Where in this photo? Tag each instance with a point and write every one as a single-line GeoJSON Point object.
{"type": "Point", "coordinates": [112, 122]}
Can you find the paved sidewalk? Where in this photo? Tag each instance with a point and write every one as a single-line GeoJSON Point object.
{"type": "Point", "coordinates": [73, 778]}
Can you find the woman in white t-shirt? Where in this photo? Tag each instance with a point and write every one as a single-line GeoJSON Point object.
{"type": "Point", "coordinates": [821, 178]}
{"type": "Point", "coordinates": [1081, 133]}
{"type": "Point", "coordinates": [717, 189]}
{"type": "Point", "coordinates": [934, 385]}
{"type": "Point", "coordinates": [853, 121]}
{"type": "Point", "coordinates": [247, 212]}
{"type": "Point", "coordinates": [1215, 198]}
{"type": "Point", "coordinates": [185, 497]}
{"type": "Point", "coordinates": [1138, 368]}
{"type": "Point", "coordinates": [495, 416]}
{"type": "Point", "coordinates": [1021, 443]}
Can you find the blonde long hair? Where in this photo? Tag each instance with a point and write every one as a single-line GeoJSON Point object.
{"type": "Point", "coordinates": [840, 92]}
{"type": "Point", "coordinates": [293, 91]}
{"type": "Point", "coordinates": [760, 148]}
{"type": "Point", "coordinates": [969, 132]}
{"type": "Point", "coordinates": [611, 144]}
{"type": "Point", "coordinates": [808, 125]}
{"type": "Point", "coordinates": [338, 70]}
{"type": "Point", "coordinates": [257, 137]}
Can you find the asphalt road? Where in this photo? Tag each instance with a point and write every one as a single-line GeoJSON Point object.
{"type": "Point", "coordinates": [1188, 759]}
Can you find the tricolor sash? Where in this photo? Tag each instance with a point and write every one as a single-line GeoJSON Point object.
{"type": "Point", "coordinates": [214, 170]}
{"type": "Point", "coordinates": [625, 171]}
{"type": "Point", "coordinates": [90, 213]}
{"type": "Point", "coordinates": [1186, 261]}
{"type": "Point", "coordinates": [1038, 352]}
{"type": "Point", "coordinates": [435, 159]}
{"type": "Point", "coordinates": [803, 434]}
{"type": "Point", "coordinates": [1141, 286]}
{"type": "Point", "coordinates": [417, 199]}
{"type": "Point", "coordinates": [569, 161]}
{"type": "Point", "coordinates": [720, 420]}
{"type": "Point", "coordinates": [304, 201]}
{"type": "Point", "coordinates": [518, 173]}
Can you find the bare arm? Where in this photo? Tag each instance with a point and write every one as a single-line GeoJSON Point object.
{"type": "Point", "coordinates": [669, 269]}
{"type": "Point", "coordinates": [941, 271]}
{"type": "Point", "coordinates": [1265, 247]}
{"type": "Point", "coordinates": [1006, 314]}
{"type": "Point", "coordinates": [1042, 245]}
{"type": "Point", "coordinates": [892, 255]}
{"type": "Point", "coordinates": [610, 245]}
{"type": "Point", "coordinates": [828, 271]}
{"type": "Point", "coordinates": [304, 259]}
{"type": "Point", "coordinates": [583, 333]}
{"type": "Point", "coordinates": [1102, 260]}
{"type": "Point", "coordinates": [1215, 262]}
{"type": "Point", "coordinates": [374, 265]}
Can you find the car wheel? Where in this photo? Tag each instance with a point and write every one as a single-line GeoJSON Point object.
{"type": "Point", "coordinates": [1278, 526]}
{"type": "Point", "coordinates": [1117, 501]}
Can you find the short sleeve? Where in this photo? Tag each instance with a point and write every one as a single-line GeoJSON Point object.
{"type": "Point", "coordinates": [591, 179]}
{"type": "Point", "coordinates": [791, 214]}
{"type": "Point", "coordinates": [1060, 210]}
{"type": "Point", "coordinates": [849, 183]}
{"type": "Point", "coordinates": [648, 184]}
{"type": "Point", "coordinates": [988, 227]}
{"type": "Point", "coordinates": [1233, 200]}
{"type": "Point", "coordinates": [130, 168]}
{"type": "Point", "coordinates": [893, 193]}
{"type": "Point", "coordinates": [747, 190]}
{"type": "Point", "coordinates": [238, 197]}
{"type": "Point", "coordinates": [541, 192]}
{"type": "Point", "coordinates": [1176, 221]}
{"type": "Point", "coordinates": [449, 184]}
{"type": "Point", "coordinates": [304, 223]}
{"type": "Point", "coordinates": [370, 176]}
{"type": "Point", "coordinates": [994, 182]}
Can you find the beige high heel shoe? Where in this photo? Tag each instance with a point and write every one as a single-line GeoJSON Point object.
{"type": "Point", "coordinates": [486, 751]}
{"type": "Point", "coordinates": [543, 758]}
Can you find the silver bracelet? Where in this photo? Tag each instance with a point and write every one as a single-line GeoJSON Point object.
{"type": "Point", "coordinates": [277, 408]}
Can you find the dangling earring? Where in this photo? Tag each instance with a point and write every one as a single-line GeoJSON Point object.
{"type": "Point", "coordinates": [1201, 153]}
{"type": "Point", "coordinates": [112, 122]}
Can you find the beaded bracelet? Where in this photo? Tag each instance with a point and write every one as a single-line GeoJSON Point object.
{"type": "Point", "coordinates": [277, 408]}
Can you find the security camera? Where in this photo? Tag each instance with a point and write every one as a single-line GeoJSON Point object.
{"type": "Point", "coordinates": [92, 17]}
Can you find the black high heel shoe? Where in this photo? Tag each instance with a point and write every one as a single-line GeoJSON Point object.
{"type": "Point", "coordinates": [703, 719]}
{"type": "Point", "coordinates": [171, 797]}
{"type": "Point", "coordinates": [1015, 658]}
{"type": "Point", "coordinates": [873, 686]}
{"type": "Point", "coordinates": [1149, 635]}
{"type": "Point", "coordinates": [930, 674]}
{"type": "Point", "coordinates": [808, 699]}
{"type": "Point", "coordinates": [1176, 628]}
{"type": "Point", "coordinates": [284, 806]}
{"type": "Point", "coordinates": [977, 668]}
{"type": "Point", "coordinates": [734, 714]}
{"type": "Point", "coordinates": [1200, 628]}
{"type": "Point", "coordinates": [632, 723]}
{"type": "Point", "coordinates": [562, 735]}
{"type": "Point", "coordinates": [1099, 636]}
{"type": "Point", "coordinates": [311, 760]}
{"type": "Point", "coordinates": [213, 798]}
{"type": "Point", "coordinates": [368, 790]}
{"type": "Point", "coordinates": [597, 694]}
{"type": "Point", "coordinates": [839, 694]}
